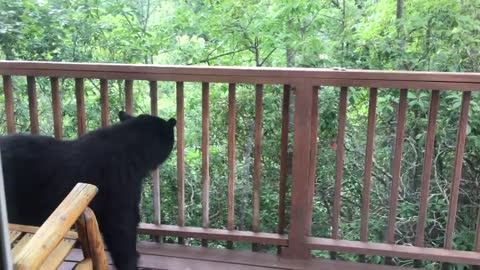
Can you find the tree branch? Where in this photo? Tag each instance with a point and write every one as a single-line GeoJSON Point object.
{"type": "Point", "coordinates": [268, 56]}
{"type": "Point", "coordinates": [217, 56]}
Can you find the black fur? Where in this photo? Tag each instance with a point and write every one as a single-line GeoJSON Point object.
{"type": "Point", "coordinates": [40, 171]}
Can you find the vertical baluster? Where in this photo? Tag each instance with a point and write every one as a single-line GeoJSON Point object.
{"type": "Point", "coordinates": [9, 103]}
{"type": "Point", "coordinates": [180, 157]}
{"type": "Point", "coordinates": [155, 174]}
{"type": "Point", "coordinates": [232, 107]}
{"type": "Point", "coordinates": [57, 108]}
{"type": "Point", "coordinates": [257, 162]}
{"type": "Point", "coordinates": [457, 169]}
{"type": "Point", "coordinates": [283, 161]}
{"type": "Point", "coordinates": [477, 235]}
{"type": "Point", "coordinates": [367, 182]}
{"type": "Point", "coordinates": [80, 98]}
{"type": "Point", "coordinates": [476, 246]}
{"type": "Point", "coordinates": [427, 167]}
{"type": "Point", "coordinates": [104, 101]}
{"type": "Point", "coordinates": [340, 154]}
{"type": "Point", "coordinates": [396, 166]}
{"type": "Point", "coordinates": [313, 158]}
{"type": "Point", "coordinates": [129, 96]}
{"type": "Point", "coordinates": [33, 105]}
{"type": "Point", "coordinates": [205, 159]}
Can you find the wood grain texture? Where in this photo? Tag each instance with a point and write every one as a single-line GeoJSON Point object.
{"type": "Point", "coordinates": [129, 96]}
{"type": "Point", "coordinates": [389, 250]}
{"type": "Point", "coordinates": [232, 110]}
{"type": "Point", "coordinates": [56, 257]}
{"type": "Point", "coordinates": [18, 247]}
{"type": "Point", "coordinates": [91, 239]}
{"type": "Point", "coordinates": [153, 97]}
{"type": "Point", "coordinates": [205, 158]}
{"type": "Point", "coordinates": [104, 102]}
{"type": "Point", "coordinates": [57, 108]}
{"type": "Point", "coordinates": [80, 99]}
{"type": "Point", "coordinates": [33, 229]}
{"type": "Point", "coordinates": [52, 231]}
{"type": "Point", "coordinates": [33, 105]}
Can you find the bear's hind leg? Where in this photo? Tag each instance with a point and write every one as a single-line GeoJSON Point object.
{"type": "Point", "coordinates": [121, 238]}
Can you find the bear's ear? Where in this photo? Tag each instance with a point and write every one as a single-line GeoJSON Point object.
{"type": "Point", "coordinates": [123, 116]}
{"type": "Point", "coordinates": [172, 122]}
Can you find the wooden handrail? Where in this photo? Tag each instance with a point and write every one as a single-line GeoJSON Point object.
{"type": "Point", "coordinates": [333, 77]}
{"type": "Point", "coordinates": [402, 251]}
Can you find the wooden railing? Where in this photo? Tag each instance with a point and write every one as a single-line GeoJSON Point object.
{"type": "Point", "coordinates": [306, 82]}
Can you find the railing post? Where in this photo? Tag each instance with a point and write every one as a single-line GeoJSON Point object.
{"type": "Point", "coordinates": [302, 189]}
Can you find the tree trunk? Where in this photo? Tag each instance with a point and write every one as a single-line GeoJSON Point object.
{"type": "Point", "coordinates": [290, 57]}
{"type": "Point", "coordinates": [342, 61]}
{"type": "Point", "coordinates": [400, 34]}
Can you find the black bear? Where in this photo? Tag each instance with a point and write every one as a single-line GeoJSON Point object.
{"type": "Point", "coordinates": [40, 171]}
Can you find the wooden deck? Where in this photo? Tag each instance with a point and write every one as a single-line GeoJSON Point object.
{"type": "Point", "coordinates": [304, 85]}
{"type": "Point", "coordinates": [179, 257]}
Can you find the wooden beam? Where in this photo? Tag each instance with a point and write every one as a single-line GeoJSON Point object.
{"type": "Point", "coordinates": [57, 108]}
{"type": "Point", "coordinates": [213, 234]}
{"type": "Point", "coordinates": [104, 101]}
{"type": "Point", "coordinates": [255, 75]}
{"type": "Point", "coordinates": [52, 231]}
{"type": "Point", "coordinates": [389, 250]}
{"type": "Point", "coordinates": [33, 105]}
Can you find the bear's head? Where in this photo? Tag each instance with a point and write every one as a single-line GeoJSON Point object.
{"type": "Point", "coordinates": [149, 119]}
{"type": "Point", "coordinates": [155, 134]}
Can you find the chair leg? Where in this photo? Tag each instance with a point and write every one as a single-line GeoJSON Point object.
{"type": "Point", "coordinates": [91, 240]}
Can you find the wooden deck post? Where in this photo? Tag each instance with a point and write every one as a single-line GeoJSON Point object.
{"type": "Point", "coordinates": [302, 191]}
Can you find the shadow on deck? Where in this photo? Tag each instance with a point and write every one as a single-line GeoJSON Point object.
{"type": "Point", "coordinates": [179, 257]}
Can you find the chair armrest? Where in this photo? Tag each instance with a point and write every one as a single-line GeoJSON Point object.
{"type": "Point", "coordinates": [52, 231]}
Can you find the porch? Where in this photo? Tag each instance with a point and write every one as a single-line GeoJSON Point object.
{"type": "Point", "coordinates": [180, 257]}
{"type": "Point", "coordinates": [294, 237]}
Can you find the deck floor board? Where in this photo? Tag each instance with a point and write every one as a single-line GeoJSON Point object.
{"type": "Point", "coordinates": [178, 257]}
